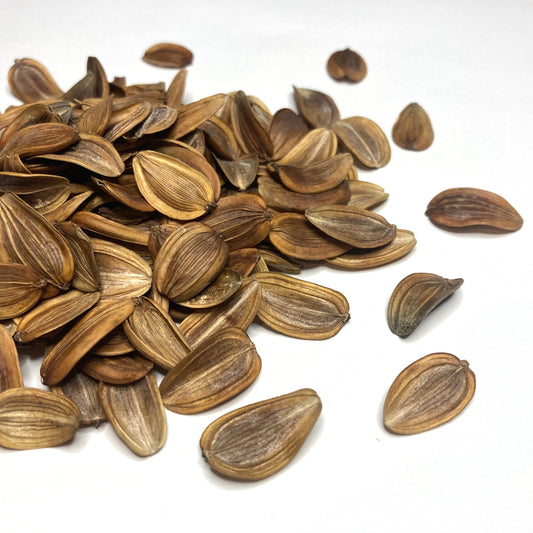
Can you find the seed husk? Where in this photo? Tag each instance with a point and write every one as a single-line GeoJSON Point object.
{"type": "Point", "coordinates": [119, 370]}
{"type": "Point", "coordinates": [359, 227]}
{"type": "Point", "coordinates": [415, 297]}
{"type": "Point", "coordinates": [151, 330]}
{"type": "Point", "coordinates": [362, 258]}
{"type": "Point", "coordinates": [243, 260]}
{"type": "Point", "coordinates": [316, 146]}
{"type": "Point", "coordinates": [53, 313]}
{"type": "Point", "coordinates": [365, 195]}
{"type": "Point", "coordinates": [83, 391]}
{"type": "Point", "coordinates": [34, 418]}
{"type": "Point", "coordinates": [428, 393]}
{"type": "Point", "coordinates": [241, 172]}
{"type": "Point", "coordinates": [20, 289]}
{"type": "Point", "coordinates": [365, 140]}
{"type": "Point", "coordinates": [471, 209]}
{"type": "Point", "coordinates": [168, 55]}
{"type": "Point", "coordinates": [191, 258]}
{"type": "Point", "coordinates": [293, 235]}
{"type": "Point", "coordinates": [28, 238]}
{"type": "Point", "coordinates": [215, 371]}
{"type": "Point", "coordinates": [346, 65]}
{"type": "Point", "coordinates": [258, 440]}
{"type": "Point", "coordinates": [286, 130]}
{"type": "Point", "coordinates": [317, 109]}
{"type": "Point", "coordinates": [10, 374]}
{"type": "Point", "coordinates": [137, 414]}
{"type": "Point", "coordinates": [30, 81]}
{"type": "Point", "coordinates": [93, 327]}
{"type": "Point", "coordinates": [299, 308]}
{"type": "Point", "coordinates": [412, 129]}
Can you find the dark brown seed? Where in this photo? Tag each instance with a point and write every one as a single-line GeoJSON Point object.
{"type": "Point", "coordinates": [346, 65]}
{"type": "Point", "coordinates": [168, 55]}
{"type": "Point", "coordinates": [412, 129]}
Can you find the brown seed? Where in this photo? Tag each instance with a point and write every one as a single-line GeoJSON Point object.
{"type": "Point", "coordinates": [168, 55]}
{"type": "Point", "coordinates": [428, 393]}
{"type": "Point", "coordinates": [137, 414]}
{"type": "Point", "coordinates": [286, 130]}
{"type": "Point", "coordinates": [151, 330]}
{"type": "Point", "coordinates": [118, 370]}
{"type": "Point", "coordinates": [192, 257]}
{"type": "Point", "coordinates": [30, 81]}
{"type": "Point", "coordinates": [365, 195]}
{"type": "Point", "coordinates": [415, 297]}
{"type": "Point", "coordinates": [359, 227]}
{"type": "Point", "coordinates": [317, 109]}
{"type": "Point", "coordinates": [412, 129]}
{"type": "Point", "coordinates": [241, 172]}
{"type": "Point", "coordinates": [215, 371]}
{"type": "Point", "coordinates": [362, 258]}
{"type": "Point", "coordinates": [346, 65]}
{"type": "Point", "coordinates": [258, 440]}
{"type": "Point", "coordinates": [365, 140]}
{"type": "Point", "coordinates": [10, 374]}
{"type": "Point", "coordinates": [316, 146]}
{"type": "Point", "coordinates": [299, 308]}
{"type": "Point", "coordinates": [93, 327]}
{"type": "Point", "coordinates": [34, 418]}
{"type": "Point", "coordinates": [83, 391]}
{"type": "Point", "coordinates": [471, 209]}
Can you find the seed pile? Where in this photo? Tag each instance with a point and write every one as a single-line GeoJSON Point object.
{"type": "Point", "coordinates": [141, 233]}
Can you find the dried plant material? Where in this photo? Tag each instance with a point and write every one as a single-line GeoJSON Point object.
{"type": "Point", "coordinates": [277, 262]}
{"type": "Point", "coordinates": [112, 230]}
{"type": "Point", "coordinates": [190, 116]}
{"type": "Point", "coordinates": [293, 235]}
{"type": "Point", "coordinates": [28, 238]}
{"type": "Point", "coordinates": [346, 65]}
{"type": "Point", "coordinates": [10, 374]}
{"type": "Point", "coordinates": [100, 84]}
{"type": "Point", "coordinates": [299, 308]}
{"type": "Point", "coordinates": [412, 129]}
{"type": "Point", "coordinates": [95, 118]}
{"type": "Point", "coordinates": [217, 370]}
{"type": "Point", "coordinates": [173, 187]}
{"type": "Point", "coordinates": [226, 284]}
{"type": "Point", "coordinates": [258, 440]}
{"type": "Point", "coordinates": [117, 370]}
{"type": "Point", "coordinates": [316, 177]}
{"type": "Point", "coordinates": [415, 297]}
{"type": "Point", "coordinates": [83, 89]}
{"type": "Point", "coordinates": [79, 340]}
{"type": "Point", "coordinates": [428, 393]}
{"type": "Point", "coordinates": [86, 274]}
{"type": "Point", "coordinates": [242, 220]}
{"type": "Point", "coordinates": [176, 89]}
{"type": "Point", "coordinates": [358, 227]}
{"type": "Point", "coordinates": [221, 139]}
{"type": "Point", "coordinates": [278, 197]}
{"type": "Point", "coordinates": [317, 145]}
{"type": "Point", "coordinates": [286, 130]}
{"type": "Point", "coordinates": [83, 391]}
{"type": "Point", "coordinates": [471, 209]}
{"type": "Point", "coordinates": [241, 172]}
{"type": "Point", "coordinates": [238, 311]}
{"type": "Point", "coordinates": [159, 234]}
{"type": "Point", "coordinates": [93, 153]}
{"type": "Point", "coordinates": [362, 258]}
{"type": "Point", "coordinates": [123, 273]}
{"type": "Point", "coordinates": [168, 55]}
{"type": "Point", "coordinates": [53, 313]}
{"type": "Point", "coordinates": [123, 119]}
{"type": "Point", "coordinates": [137, 414]}
{"type": "Point", "coordinates": [365, 140]}
{"type": "Point", "coordinates": [113, 344]}
{"type": "Point", "coordinates": [20, 289]}
{"type": "Point", "coordinates": [30, 81]}
{"type": "Point", "coordinates": [151, 330]}
{"type": "Point", "coordinates": [191, 258]}
{"type": "Point", "coordinates": [317, 109]}
{"type": "Point", "coordinates": [365, 195]}
{"type": "Point", "coordinates": [33, 418]}
{"type": "Point", "coordinates": [127, 194]}
{"type": "Point", "coordinates": [249, 132]}
{"type": "Point", "coordinates": [243, 260]}
{"type": "Point", "coordinates": [66, 209]}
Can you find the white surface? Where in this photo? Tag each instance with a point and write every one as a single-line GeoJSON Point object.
{"type": "Point", "coordinates": [468, 63]}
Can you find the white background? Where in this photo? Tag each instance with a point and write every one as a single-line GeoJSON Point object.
{"type": "Point", "coordinates": [468, 63]}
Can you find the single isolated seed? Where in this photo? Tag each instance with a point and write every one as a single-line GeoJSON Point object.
{"type": "Point", "coordinates": [346, 65]}
{"type": "Point", "coordinates": [413, 129]}
{"type": "Point", "coordinates": [168, 55]}
{"type": "Point", "coordinates": [428, 393]}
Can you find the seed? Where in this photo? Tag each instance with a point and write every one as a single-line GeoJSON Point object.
{"type": "Point", "coordinates": [119, 370]}
{"type": "Point", "coordinates": [137, 414]}
{"type": "Point", "coordinates": [317, 109]}
{"type": "Point", "coordinates": [346, 65]}
{"type": "Point", "coordinates": [471, 209]}
{"type": "Point", "coordinates": [415, 297]}
{"type": "Point", "coordinates": [216, 370]}
{"type": "Point", "coordinates": [168, 55]}
{"type": "Point", "coordinates": [30, 81]}
{"type": "Point", "coordinates": [428, 393]}
{"type": "Point", "coordinates": [34, 418]}
{"type": "Point", "coordinates": [10, 374]}
{"type": "Point", "coordinates": [412, 129]}
{"type": "Point", "coordinates": [258, 440]}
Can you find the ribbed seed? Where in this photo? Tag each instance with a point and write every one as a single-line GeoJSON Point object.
{"type": "Point", "coordinates": [10, 374]}
{"type": "Point", "coordinates": [258, 440]}
{"type": "Point", "coordinates": [119, 370]}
